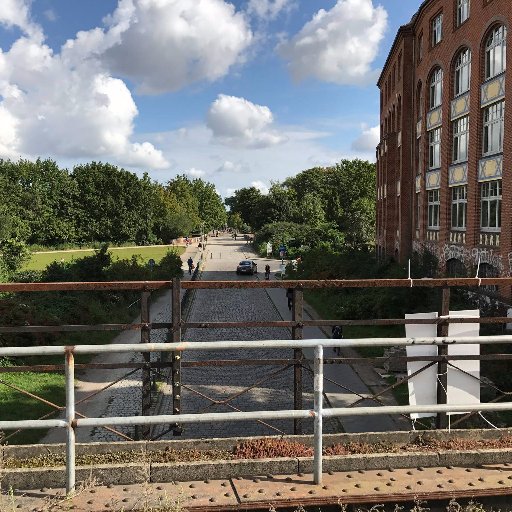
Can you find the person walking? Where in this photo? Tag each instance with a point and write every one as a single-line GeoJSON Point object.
{"type": "Point", "coordinates": [289, 296]}
{"type": "Point", "coordinates": [267, 272]}
{"type": "Point", "coordinates": [190, 262]}
{"type": "Point", "coordinates": [337, 334]}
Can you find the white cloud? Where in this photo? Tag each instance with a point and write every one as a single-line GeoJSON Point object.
{"type": "Point", "coordinates": [195, 173]}
{"type": "Point", "coordinates": [260, 186]}
{"type": "Point", "coordinates": [229, 166]}
{"type": "Point", "coordinates": [16, 13]}
{"type": "Point", "coordinates": [368, 140]}
{"type": "Point", "coordinates": [268, 9]}
{"type": "Point", "coordinates": [52, 107]}
{"type": "Point", "coordinates": [164, 45]}
{"type": "Point", "coordinates": [338, 45]}
{"type": "Point", "coordinates": [302, 150]}
{"type": "Point", "coordinates": [50, 15]}
{"type": "Point", "coordinates": [238, 122]}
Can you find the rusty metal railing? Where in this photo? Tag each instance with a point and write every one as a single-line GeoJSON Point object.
{"type": "Point", "coordinates": [175, 327]}
{"type": "Point", "coordinates": [296, 325]}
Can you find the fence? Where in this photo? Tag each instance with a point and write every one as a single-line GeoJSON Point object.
{"type": "Point", "coordinates": [318, 413]}
{"type": "Point", "coordinates": [177, 346]}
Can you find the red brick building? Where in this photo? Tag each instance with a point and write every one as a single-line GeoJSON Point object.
{"type": "Point", "coordinates": [444, 159]}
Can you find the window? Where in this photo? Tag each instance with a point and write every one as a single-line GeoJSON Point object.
{"type": "Point", "coordinates": [459, 207]}
{"type": "Point", "coordinates": [462, 11]}
{"type": "Point", "coordinates": [494, 117]}
{"type": "Point", "coordinates": [436, 88]}
{"type": "Point", "coordinates": [433, 209]}
{"type": "Point", "coordinates": [462, 72]}
{"type": "Point", "coordinates": [418, 210]}
{"type": "Point", "coordinates": [490, 203]}
{"type": "Point", "coordinates": [456, 268]}
{"type": "Point", "coordinates": [399, 66]}
{"type": "Point", "coordinates": [420, 47]}
{"type": "Point", "coordinates": [420, 102]}
{"type": "Point", "coordinates": [434, 149]}
{"type": "Point", "coordinates": [460, 139]}
{"type": "Point", "coordinates": [496, 52]}
{"type": "Point", "coordinates": [437, 29]}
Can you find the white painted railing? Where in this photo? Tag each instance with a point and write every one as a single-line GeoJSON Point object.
{"type": "Point", "coordinates": [318, 413]}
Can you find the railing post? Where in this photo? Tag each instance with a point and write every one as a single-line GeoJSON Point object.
{"type": "Point", "coordinates": [146, 371]}
{"type": "Point", "coordinates": [297, 316]}
{"type": "Point", "coordinates": [318, 404]}
{"type": "Point", "coordinates": [442, 365]}
{"type": "Point", "coordinates": [176, 356]}
{"type": "Point", "coordinates": [70, 420]}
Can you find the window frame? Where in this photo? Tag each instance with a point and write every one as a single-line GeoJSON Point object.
{"type": "Point", "coordinates": [436, 29]}
{"type": "Point", "coordinates": [490, 123]}
{"type": "Point", "coordinates": [420, 47]}
{"type": "Point", "coordinates": [460, 65]}
{"type": "Point", "coordinates": [433, 209]}
{"type": "Point", "coordinates": [462, 5]}
{"type": "Point", "coordinates": [491, 203]}
{"type": "Point", "coordinates": [459, 207]}
{"type": "Point", "coordinates": [497, 38]}
{"type": "Point", "coordinates": [418, 211]}
{"type": "Point", "coordinates": [434, 148]}
{"type": "Point", "coordinates": [435, 89]}
{"type": "Point", "coordinates": [460, 136]}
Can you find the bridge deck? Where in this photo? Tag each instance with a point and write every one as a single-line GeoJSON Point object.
{"type": "Point", "coordinates": [361, 487]}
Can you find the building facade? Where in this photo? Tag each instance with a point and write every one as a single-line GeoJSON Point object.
{"type": "Point", "coordinates": [444, 161]}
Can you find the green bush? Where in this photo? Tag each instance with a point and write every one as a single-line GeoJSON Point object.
{"type": "Point", "coordinates": [92, 307]}
{"type": "Point", "coordinates": [298, 238]}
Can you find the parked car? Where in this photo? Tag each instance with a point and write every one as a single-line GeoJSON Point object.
{"type": "Point", "coordinates": [247, 267]}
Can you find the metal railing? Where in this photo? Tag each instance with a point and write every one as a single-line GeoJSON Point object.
{"type": "Point", "coordinates": [71, 422]}
{"type": "Point", "coordinates": [74, 419]}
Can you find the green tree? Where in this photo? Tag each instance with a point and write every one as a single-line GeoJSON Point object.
{"type": "Point", "coordinates": [282, 204]}
{"type": "Point", "coordinates": [210, 206]}
{"type": "Point", "coordinates": [311, 211]}
{"type": "Point", "coordinates": [251, 205]}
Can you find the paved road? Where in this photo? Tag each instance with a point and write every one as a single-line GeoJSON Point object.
{"type": "Point", "coordinates": [219, 383]}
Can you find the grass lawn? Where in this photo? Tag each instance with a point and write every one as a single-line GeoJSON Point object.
{"type": "Point", "coordinates": [39, 261]}
{"type": "Point", "coordinates": [323, 306]}
{"type": "Point", "coordinates": [16, 406]}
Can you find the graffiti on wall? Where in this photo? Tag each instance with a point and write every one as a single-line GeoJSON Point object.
{"type": "Point", "coordinates": [469, 256]}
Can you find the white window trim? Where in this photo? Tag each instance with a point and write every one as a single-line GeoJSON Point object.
{"type": "Point", "coordinates": [434, 206]}
{"type": "Point", "coordinates": [493, 124]}
{"type": "Point", "coordinates": [457, 137]}
{"type": "Point", "coordinates": [461, 203]}
{"type": "Point", "coordinates": [487, 200]}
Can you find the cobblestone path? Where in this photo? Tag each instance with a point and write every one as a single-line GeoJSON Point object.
{"type": "Point", "coordinates": [273, 385]}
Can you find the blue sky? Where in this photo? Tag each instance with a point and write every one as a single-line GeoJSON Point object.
{"type": "Point", "coordinates": [239, 93]}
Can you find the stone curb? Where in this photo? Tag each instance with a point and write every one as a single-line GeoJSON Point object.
{"type": "Point", "coordinates": [125, 474]}
{"type": "Point", "coordinates": [129, 473]}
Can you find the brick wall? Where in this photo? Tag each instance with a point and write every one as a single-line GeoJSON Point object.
{"type": "Point", "coordinates": [399, 162]}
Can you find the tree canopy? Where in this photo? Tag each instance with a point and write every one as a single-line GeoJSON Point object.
{"type": "Point", "coordinates": [340, 197]}
{"type": "Point", "coordinates": [44, 205]}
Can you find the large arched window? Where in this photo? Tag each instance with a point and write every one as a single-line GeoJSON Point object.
{"type": "Point", "coordinates": [436, 88]}
{"type": "Point", "coordinates": [462, 71]}
{"type": "Point", "coordinates": [496, 52]}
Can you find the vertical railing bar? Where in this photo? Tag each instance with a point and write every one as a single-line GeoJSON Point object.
{"type": "Point", "coordinates": [176, 356]}
{"type": "Point", "coordinates": [145, 336]}
{"type": "Point", "coordinates": [297, 334]}
{"type": "Point", "coordinates": [442, 366]}
{"type": "Point", "coordinates": [318, 405]}
{"type": "Point", "coordinates": [70, 420]}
